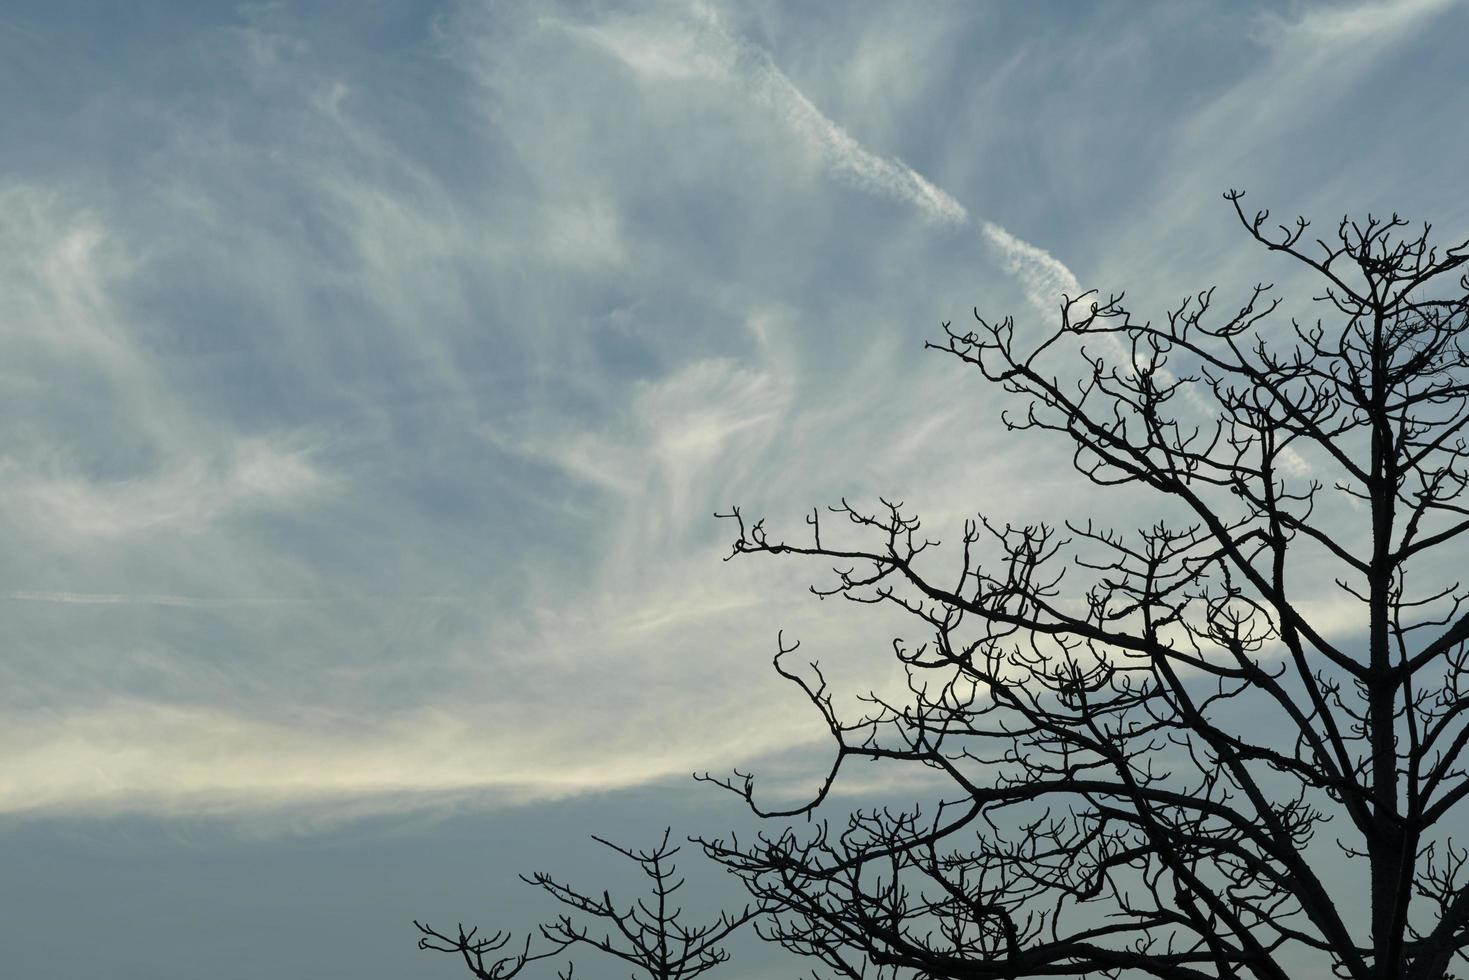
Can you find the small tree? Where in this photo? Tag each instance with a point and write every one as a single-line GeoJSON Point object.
{"type": "Point", "coordinates": [1151, 770]}
{"type": "Point", "coordinates": [647, 934]}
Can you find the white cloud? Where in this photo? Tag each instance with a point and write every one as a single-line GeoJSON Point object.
{"type": "Point", "coordinates": [132, 755]}
{"type": "Point", "coordinates": [697, 46]}
{"type": "Point", "coordinates": [642, 655]}
{"type": "Point", "coordinates": [1043, 278]}
{"type": "Point", "coordinates": [1290, 122]}
{"type": "Point", "coordinates": [257, 474]}
{"type": "Point", "coordinates": [1336, 25]}
{"type": "Point", "coordinates": [575, 633]}
{"type": "Point", "coordinates": [663, 51]}
{"type": "Point", "coordinates": [623, 623]}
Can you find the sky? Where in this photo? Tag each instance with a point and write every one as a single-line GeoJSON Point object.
{"type": "Point", "coordinates": [371, 373]}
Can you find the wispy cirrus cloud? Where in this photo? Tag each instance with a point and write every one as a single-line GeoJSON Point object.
{"type": "Point", "coordinates": [351, 404]}
{"type": "Point", "coordinates": [394, 243]}
{"type": "Point", "coordinates": [676, 44]}
{"type": "Point", "coordinates": [190, 493]}
{"type": "Point", "coordinates": [368, 383]}
{"type": "Point", "coordinates": [1324, 26]}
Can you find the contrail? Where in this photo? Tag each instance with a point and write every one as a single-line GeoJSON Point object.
{"type": "Point", "coordinates": [1043, 277]}
{"type": "Point", "coordinates": [705, 49]}
{"type": "Point", "coordinates": [849, 160]}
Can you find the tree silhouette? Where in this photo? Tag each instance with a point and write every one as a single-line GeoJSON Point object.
{"type": "Point", "coordinates": [1163, 753]}
{"type": "Point", "coordinates": [647, 934]}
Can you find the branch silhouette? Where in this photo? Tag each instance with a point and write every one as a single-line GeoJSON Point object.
{"type": "Point", "coordinates": [648, 934]}
{"type": "Point", "coordinates": [1145, 736]}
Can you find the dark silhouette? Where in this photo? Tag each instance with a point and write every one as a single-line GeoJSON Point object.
{"type": "Point", "coordinates": [647, 934]}
{"type": "Point", "coordinates": [1163, 753]}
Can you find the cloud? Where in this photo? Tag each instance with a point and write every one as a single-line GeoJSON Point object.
{"type": "Point", "coordinates": [1337, 25]}
{"type": "Point", "coordinates": [595, 640]}
{"type": "Point", "coordinates": [669, 48]}
{"type": "Point", "coordinates": [1043, 278]}
{"type": "Point", "coordinates": [305, 545]}
{"type": "Point", "coordinates": [365, 417]}
{"type": "Point", "coordinates": [120, 599]}
{"type": "Point", "coordinates": [130, 756]}
{"type": "Point", "coordinates": [1315, 59]}
{"type": "Point", "coordinates": [1288, 125]}
{"type": "Point", "coordinates": [256, 474]}
{"type": "Point", "coordinates": [62, 318]}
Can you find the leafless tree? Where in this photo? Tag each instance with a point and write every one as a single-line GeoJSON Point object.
{"type": "Point", "coordinates": [647, 934]}
{"type": "Point", "coordinates": [1194, 750]}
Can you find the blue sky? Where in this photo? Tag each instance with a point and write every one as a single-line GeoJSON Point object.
{"type": "Point", "coordinates": [371, 373]}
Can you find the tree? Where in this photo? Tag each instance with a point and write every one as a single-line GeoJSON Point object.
{"type": "Point", "coordinates": [649, 937]}
{"type": "Point", "coordinates": [1164, 753]}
